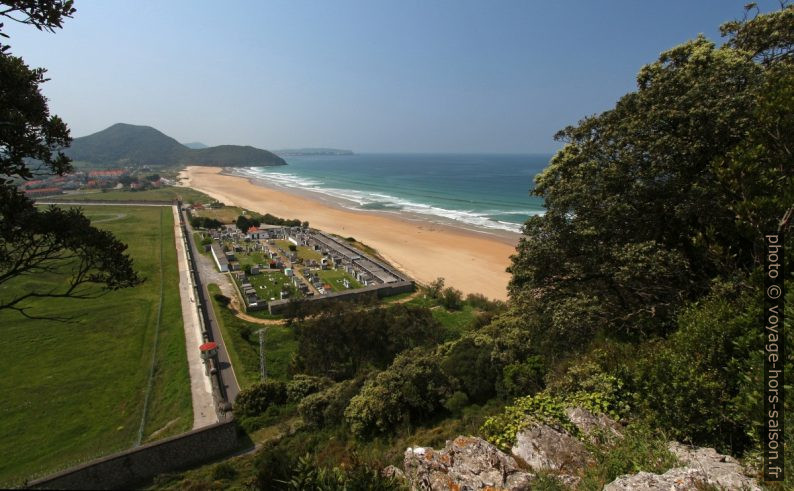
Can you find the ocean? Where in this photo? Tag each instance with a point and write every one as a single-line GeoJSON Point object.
{"type": "Point", "coordinates": [485, 192]}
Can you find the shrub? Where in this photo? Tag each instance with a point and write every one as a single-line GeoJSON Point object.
{"type": "Point", "coordinates": [410, 390]}
{"type": "Point", "coordinates": [522, 378]}
{"type": "Point", "coordinates": [224, 470]}
{"type": "Point", "coordinates": [303, 385]}
{"type": "Point", "coordinates": [452, 299]}
{"type": "Point", "coordinates": [456, 402]}
{"type": "Point", "coordinates": [327, 407]}
{"type": "Point", "coordinates": [542, 408]}
{"type": "Point", "coordinates": [255, 400]}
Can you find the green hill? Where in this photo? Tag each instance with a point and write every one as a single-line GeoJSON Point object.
{"type": "Point", "coordinates": [126, 144]}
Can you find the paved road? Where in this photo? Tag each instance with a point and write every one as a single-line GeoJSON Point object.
{"type": "Point", "coordinates": [206, 274]}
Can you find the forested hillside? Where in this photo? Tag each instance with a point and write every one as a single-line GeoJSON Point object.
{"type": "Point", "coordinates": [126, 144]}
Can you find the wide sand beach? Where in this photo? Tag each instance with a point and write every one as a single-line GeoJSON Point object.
{"type": "Point", "coordinates": [468, 260]}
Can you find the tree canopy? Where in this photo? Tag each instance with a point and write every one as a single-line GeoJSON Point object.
{"type": "Point", "coordinates": [34, 240]}
{"type": "Point", "coordinates": [650, 201]}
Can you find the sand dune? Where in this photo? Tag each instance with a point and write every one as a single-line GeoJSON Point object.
{"type": "Point", "coordinates": [470, 261]}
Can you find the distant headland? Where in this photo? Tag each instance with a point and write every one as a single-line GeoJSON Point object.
{"type": "Point", "coordinates": [133, 145]}
{"type": "Point", "coordinates": [296, 152]}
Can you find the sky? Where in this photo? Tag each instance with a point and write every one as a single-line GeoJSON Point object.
{"type": "Point", "coordinates": [367, 75]}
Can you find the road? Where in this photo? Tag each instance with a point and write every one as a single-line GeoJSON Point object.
{"type": "Point", "coordinates": [205, 274]}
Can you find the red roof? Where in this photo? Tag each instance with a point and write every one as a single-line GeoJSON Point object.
{"type": "Point", "coordinates": [208, 346]}
{"type": "Point", "coordinates": [252, 229]}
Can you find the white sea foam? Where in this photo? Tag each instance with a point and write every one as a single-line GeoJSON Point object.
{"type": "Point", "coordinates": [378, 201]}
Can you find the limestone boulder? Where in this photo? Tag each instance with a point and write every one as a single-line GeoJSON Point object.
{"type": "Point", "coordinates": [465, 463]}
{"type": "Point", "coordinates": [545, 448]}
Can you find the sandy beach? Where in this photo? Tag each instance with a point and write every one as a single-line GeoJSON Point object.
{"type": "Point", "coordinates": [470, 261]}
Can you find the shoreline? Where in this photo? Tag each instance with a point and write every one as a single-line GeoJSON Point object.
{"type": "Point", "coordinates": [469, 260]}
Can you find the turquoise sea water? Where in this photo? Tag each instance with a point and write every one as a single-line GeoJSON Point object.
{"type": "Point", "coordinates": [478, 191]}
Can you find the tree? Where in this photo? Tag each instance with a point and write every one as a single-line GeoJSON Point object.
{"type": "Point", "coordinates": [650, 201]}
{"type": "Point", "coordinates": [54, 240]}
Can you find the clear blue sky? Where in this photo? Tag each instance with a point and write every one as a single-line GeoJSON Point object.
{"type": "Point", "coordinates": [369, 75]}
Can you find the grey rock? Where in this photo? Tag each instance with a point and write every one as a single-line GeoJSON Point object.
{"type": "Point", "coordinates": [702, 467]}
{"type": "Point", "coordinates": [721, 470]}
{"type": "Point", "coordinates": [597, 428]}
{"type": "Point", "coordinates": [680, 478]}
{"type": "Point", "coordinates": [394, 472]}
{"type": "Point", "coordinates": [466, 463]}
{"type": "Point", "coordinates": [545, 448]}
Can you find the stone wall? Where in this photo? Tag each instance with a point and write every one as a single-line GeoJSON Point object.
{"type": "Point", "coordinates": [126, 469]}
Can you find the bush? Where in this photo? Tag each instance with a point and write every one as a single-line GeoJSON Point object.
{"type": "Point", "coordinates": [456, 402]}
{"type": "Point", "coordinates": [255, 400]}
{"type": "Point", "coordinates": [409, 391]}
{"type": "Point", "coordinates": [640, 449]}
{"type": "Point", "coordinates": [223, 471]}
{"type": "Point", "coordinates": [303, 385]}
{"type": "Point", "coordinates": [452, 299]}
{"type": "Point", "coordinates": [522, 378]}
{"type": "Point", "coordinates": [434, 288]}
{"type": "Point", "coordinates": [222, 300]}
{"type": "Point", "coordinates": [327, 407]}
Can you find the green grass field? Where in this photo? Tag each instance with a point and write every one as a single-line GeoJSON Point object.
{"type": "Point", "coordinates": [334, 278]}
{"type": "Point", "coordinates": [269, 284]}
{"type": "Point", "coordinates": [74, 391]}
{"type": "Point", "coordinates": [244, 353]}
{"type": "Point", "coordinates": [304, 252]}
{"type": "Point", "coordinates": [167, 193]}
{"type": "Point", "coordinates": [227, 214]}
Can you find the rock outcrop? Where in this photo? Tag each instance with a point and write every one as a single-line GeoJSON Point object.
{"type": "Point", "coordinates": [545, 448]}
{"type": "Point", "coordinates": [465, 463]}
{"type": "Point", "coordinates": [596, 428]}
{"type": "Point", "coordinates": [702, 467]}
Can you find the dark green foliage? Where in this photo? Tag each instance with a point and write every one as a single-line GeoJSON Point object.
{"type": "Point", "coordinates": [411, 390]}
{"type": "Point", "coordinates": [205, 222]}
{"type": "Point", "coordinates": [244, 222]}
{"type": "Point", "coordinates": [703, 385]}
{"type": "Point", "coordinates": [293, 247]}
{"type": "Point", "coordinates": [649, 201]}
{"type": "Point", "coordinates": [337, 343]}
{"type": "Point", "coordinates": [257, 399]}
{"type": "Point", "coordinates": [303, 385]}
{"type": "Point", "coordinates": [456, 402]}
{"type": "Point", "coordinates": [327, 407]}
{"type": "Point", "coordinates": [269, 219]}
{"type": "Point", "coordinates": [126, 144]}
{"type": "Point", "coordinates": [522, 378]}
{"type": "Point", "coordinates": [469, 366]}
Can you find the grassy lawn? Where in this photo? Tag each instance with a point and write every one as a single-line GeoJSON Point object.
{"type": "Point", "coordinates": [268, 284]}
{"type": "Point", "coordinates": [250, 259]}
{"type": "Point", "coordinates": [279, 341]}
{"type": "Point", "coordinates": [166, 193]}
{"type": "Point", "coordinates": [334, 278]}
{"type": "Point", "coordinates": [227, 214]}
{"type": "Point", "coordinates": [304, 252]}
{"type": "Point", "coordinates": [77, 389]}
{"type": "Point", "coordinates": [455, 322]}
{"type": "Point", "coordinates": [199, 246]}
